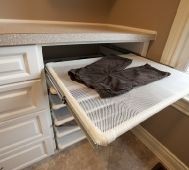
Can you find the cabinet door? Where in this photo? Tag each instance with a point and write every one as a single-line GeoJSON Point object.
{"type": "Point", "coordinates": [27, 154]}
{"type": "Point", "coordinates": [20, 131]}
{"type": "Point", "coordinates": [20, 63]}
{"type": "Point", "coordinates": [22, 98]}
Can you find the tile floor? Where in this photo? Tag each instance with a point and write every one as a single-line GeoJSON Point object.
{"type": "Point", "coordinates": [126, 153]}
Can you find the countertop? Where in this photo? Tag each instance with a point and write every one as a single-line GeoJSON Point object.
{"type": "Point", "coordinates": [26, 32]}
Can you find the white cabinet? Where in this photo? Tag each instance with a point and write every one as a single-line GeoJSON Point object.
{"type": "Point", "coordinates": [26, 133]}
{"type": "Point", "coordinates": [20, 63]}
{"type": "Point", "coordinates": [27, 154]}
{"type": "Point", "coordinates": [22, 98]}
{"type": "Point", "coordinates": [20, 131]}
{"type": "Point", "coordinates": [25, 140]}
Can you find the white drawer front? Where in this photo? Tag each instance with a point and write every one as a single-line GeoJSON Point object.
{"type": "Point", "coordinates": [21, 98]}
{"type": "Point", "coordinates": [26, 155]}
{"type": "Point", "coordinates": [19, 131]}
{"type": "Point", "coordinates": [20, 63]}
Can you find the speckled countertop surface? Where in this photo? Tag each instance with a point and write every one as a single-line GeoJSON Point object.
{"type": "Point", "coordinates": [18, 32]}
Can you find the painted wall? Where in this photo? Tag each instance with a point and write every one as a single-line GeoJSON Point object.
{"type": "Point", "coordinates": [69, 10]}
{"type": "Point", "coordinates": [170, 126]}
{"type": "Point", "coordinates": [155, 15]}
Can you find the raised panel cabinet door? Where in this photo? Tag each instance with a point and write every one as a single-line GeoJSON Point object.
{"type": "Point", "coordinates": [26, 155]}
{"type": "Point", "coordinates": [20, 63]}
{"type": "Point", "coordinates": [21, 98]}
{"type": "Point", "coordinates": [20, 131]}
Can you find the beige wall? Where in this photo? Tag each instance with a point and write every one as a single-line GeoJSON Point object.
{"type": "Point", "coordinates": [169, 126]}
{"type": "Point", "coordinates": [69, 10]}
{"type": "Point", "coordinates": [156, 15]}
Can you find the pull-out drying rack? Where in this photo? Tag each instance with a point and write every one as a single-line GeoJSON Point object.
{"type": "Point", "coordinates": [104, 120]}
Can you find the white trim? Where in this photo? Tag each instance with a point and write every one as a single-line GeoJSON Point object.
{"type": "Point", "coordinates": [174, 48]}
{"type": "Point", "coordinates": [144, 48]}
{"type": "Point", "coordinates": [182, 105]}
{"type": "Point", "coordinates": [175, 39]}
{"type": "Point", "coordinates": [166, 156]}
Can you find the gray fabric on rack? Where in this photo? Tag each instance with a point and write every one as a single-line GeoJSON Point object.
{"type": "Point", "coordinates": [109, 77]}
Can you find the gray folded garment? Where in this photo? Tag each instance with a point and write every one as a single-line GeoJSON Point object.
{"type": "Point", "coordinates": [109, 77]}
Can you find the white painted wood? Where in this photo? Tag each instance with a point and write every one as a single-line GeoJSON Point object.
{"type": "Point", "coordinates": [168, 158]}
{"type": "Point", "coordinates": [20, 131]}
{"type": "Point", "coordinates": [20, 63]}
{"type": "Point", "coordinates": [22, 98]}
{"type": "Point", "coordinates": [176, 50]}
{"type": "Point", "coordinates": [177, 37]}
{"type": "Point", "coordinates": [27, 154]}
{"type": "Point", "coordinates": [144, 49]}
{"type": "Point", "coordinates": [182, 105]}
{"type": "Point", "coordinates": [70, 139]}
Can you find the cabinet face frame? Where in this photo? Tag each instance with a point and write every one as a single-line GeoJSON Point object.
{"type": "Point", "coordinates": [25, 122]}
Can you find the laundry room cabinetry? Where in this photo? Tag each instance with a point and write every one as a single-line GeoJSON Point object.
{"type": "Point", "coordinates": [25, 123]}
{"type": "Point", "coordinates": [27, 132]}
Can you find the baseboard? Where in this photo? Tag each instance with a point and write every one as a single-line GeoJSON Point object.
{"type": "Point", "coordinates": [167, 158]}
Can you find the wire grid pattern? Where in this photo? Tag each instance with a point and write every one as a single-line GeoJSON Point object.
{"type": "Point", "coordinates": [108, 113]}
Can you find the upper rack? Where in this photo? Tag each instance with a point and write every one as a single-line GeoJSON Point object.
{"type": "Point", "coordinates": [104, 120]}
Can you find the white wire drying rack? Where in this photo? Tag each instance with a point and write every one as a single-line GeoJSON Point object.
{"type": "Point", "coordinates": [106, 119]}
